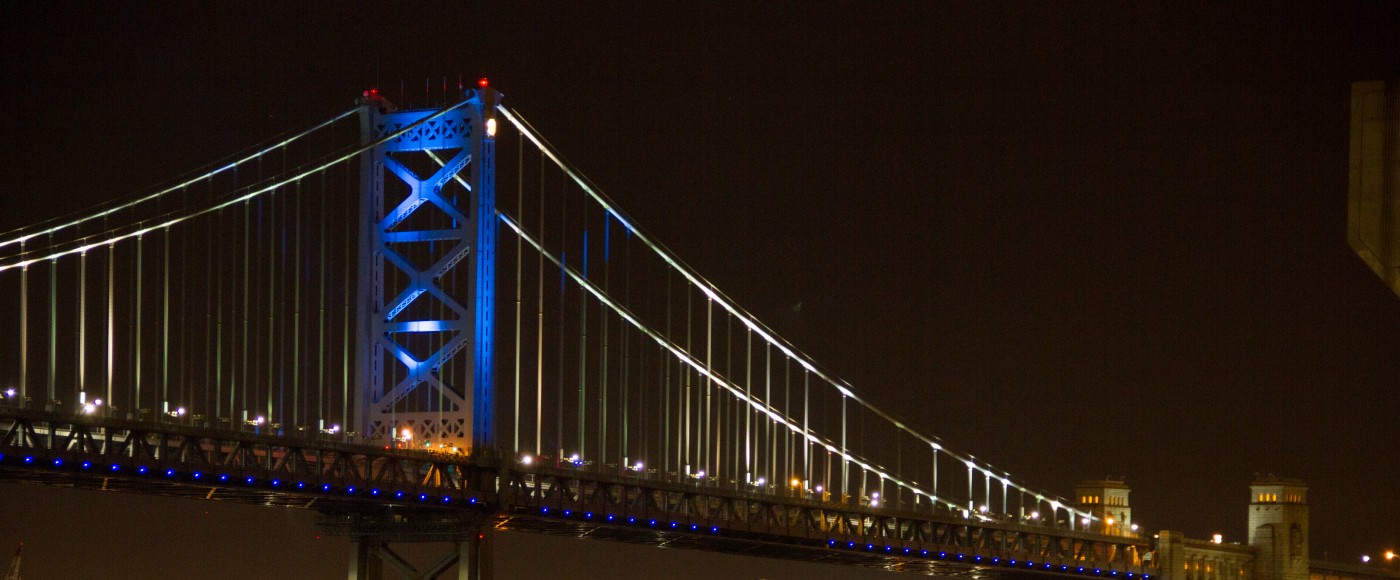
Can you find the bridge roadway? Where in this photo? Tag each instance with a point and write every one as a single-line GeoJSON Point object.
{"type": "Point", "coordinates": [410, 495]}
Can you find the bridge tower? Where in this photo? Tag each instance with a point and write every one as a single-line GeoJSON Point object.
{"type": "Point", "coordinates": [1107, 499]}
{"type": "Point", "coordinates": [425, 301]}
{"type": "Point", "coordinates": [1278, 528]}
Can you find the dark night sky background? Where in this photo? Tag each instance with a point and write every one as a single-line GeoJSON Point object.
{"type": "Point", "coordinates": [1073, 239]}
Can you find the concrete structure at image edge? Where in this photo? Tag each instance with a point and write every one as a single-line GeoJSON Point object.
{"type": "Point", "coordinates": [1278, 538]}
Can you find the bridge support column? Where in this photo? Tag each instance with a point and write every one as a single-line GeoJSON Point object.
{"type": "Point", "coordinates": [468, 545]}
{"type": "Point", "coordinates": [369, 554]}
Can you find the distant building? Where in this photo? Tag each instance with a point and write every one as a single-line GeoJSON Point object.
{"type": "Point", "coordinates": [1278, 538]}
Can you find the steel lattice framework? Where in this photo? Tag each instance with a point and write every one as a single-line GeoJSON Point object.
{"type": "Point", "coordinates": [392, 241]}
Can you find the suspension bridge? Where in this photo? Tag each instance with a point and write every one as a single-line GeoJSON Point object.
{"type": "Point", "coordinates": [427, 325]}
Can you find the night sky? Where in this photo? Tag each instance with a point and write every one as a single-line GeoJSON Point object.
{"type": "Point", "coordinates": [1076, 240]}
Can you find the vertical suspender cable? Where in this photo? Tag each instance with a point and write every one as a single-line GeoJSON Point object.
{"type": "Point", "coordinates": [111, 319]}
{"type": "Point", "coordinates": [748, 409]}
{"type": "Point", "coordinates": [321, 313]}
{"type": "Point", "coordinates": [210, 306]}
{"type": "Point", "coordinates": [236, 417]}
{"type": "Point", "coordinates": [352, 230]}
{"type": "Point", "coordinates": [583, 345]}
{"type": "Point", "coordinates": [539, 329]}
{"type": "Point", "coordinates": [623, 449]}
{"type": "Point", "coordinates": [271, 237]}
{"type": "Point", "coordinates": [709, 385]}
{"type": "Point", "coordinates": [53, 333]}
{"type": "Point", "coordinates": [165, 329]}
{"type": "Point", "coordinates": [520, 215]}
{"type": "Point", "coordinates": [665, 361]}
{"type": "Point", "coordinates": [787, 412]}
{"type": "Point", "coordinates": [82, 327]}
{"type": "Point", "coordinates": [768, 404]}
{"type": "Point", "coordinates": [297, 421]}
{"type": "Point", "coordinates": [806, 428]}
{"type": "Point", "coordinates": [140, 322]}
{"type": "Point", "coordinates": [685, 425]}
{"type": "Point", "coordinates": [23, 328]}
{"type": "Point", "coordinates": [218, 290]}
{"type": "Point", "coordinates": [846, 465]}
{"type": "Point", "coordinates": [563, 278]}
{"type": "Point", "coordinates": [603, 362]}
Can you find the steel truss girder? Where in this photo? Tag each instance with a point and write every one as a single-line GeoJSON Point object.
{"type": "Point", "coordinates": [129, 445]}
{"type": "Point", "coordinates": [788, 520]}
{"type": "Point", "coordinates": [749, 523]}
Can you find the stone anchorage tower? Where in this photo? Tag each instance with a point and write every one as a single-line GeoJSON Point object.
{"type": "Point", "coordinates": [427, 274]}
{"type": "Point", "coordinates": [1278, 528]}
{"type": "Point", "coordinates": [1106, 499]}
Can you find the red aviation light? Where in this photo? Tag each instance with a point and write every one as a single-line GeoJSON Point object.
{"type": "Point", "coordinates": [483, 83]}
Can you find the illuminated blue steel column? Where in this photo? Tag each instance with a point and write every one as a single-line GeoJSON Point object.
{"type": "Point", "coordinates": [414, 304]}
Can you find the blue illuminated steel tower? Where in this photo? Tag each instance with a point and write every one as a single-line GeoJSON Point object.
{"type": "Point", "coordinates": [425, 304]}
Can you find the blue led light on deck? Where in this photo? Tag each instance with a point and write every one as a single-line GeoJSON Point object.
{"type": "Point", "coordinates": [906, 550]}
{"type": "Point", "coordinates": [249, 480]}
{"type": "Point", "coordinates": [888, 549]}
{"type": "Point", "coordinates": [350, 489]}
{"type": "Point", "coordinates": [1081, 569]}
{"type": "Point", "coordinates": [942, 555]}
{"type": "Point", "coordinates": [198, 475]}
{"type": "Point", "coordinates": [115, 467]}
{"type": "Point", "coordinates": [472, 500]}
{"type": "Point", "coordinates": [611, 517]}
{"type": "Point", "coordinates": [977, 558]}
{"type": "Point", "coordinates": [57, 462]}
{"type": "Point", "coordinates": [276, 482]}
{"type": "Point", "coordinates": [1064, 568]}
{"type": "Point", "coordinates": [850, 544]}
{"type": "Point", "coordinates": [544, 510]}
{"type": "Point", "coordinates": [924, 553]}
{"type": "Point", "coordinates": [374, 492]}
{"type": "Point", "coordinates": [652, 523]}
{"type": "Point", "coordinates": [568, 512]}
{"type": "Point", "coordinates": [398, 494]}
{"type": "Point", "coordinates": [446, 499]}
{"type": "Point", "coordinates": [996, 560]}
{"type": "Point", "coordinates": [960, 557]}
{"type": "Point", "coordinates": [222, 476]}
{"type": "Point", "coordinates": [141, 469]}
{"type": "Point", "coordinates": [631, 520]}
{"type": "Point", "coordinates": [588, 515]}
{"type": "Point", "coordinates": [1112, 572]}
{"type": "Point", "coordinates": [170, 473]}
{"type": "Point", "coordinates": [869, 547]}
{"type": "Point", "coordinates": [422, 497]}
{"type": "Point", "coordinates": [714, 529]}
{"type": "Point", "coordinates": [87, 465]}
{"type": "Point", "coordinates": [673, 525]}
{"type": "Point", "coordinates": [1097, 571]}
{"type": "Point", "coordinates": [831, 542]}
{"type": "Point", "coordinates": [694, 527]}
{"type": "Point", "coordinates": [29, 459]}
{"type": "Point", "coordinates": [327, 487]}
{"type": "Point", "coordinates": [301, 485]}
